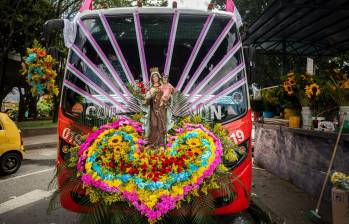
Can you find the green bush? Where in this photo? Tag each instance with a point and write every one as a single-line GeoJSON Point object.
{"type": "Point", "coordinates": [44, 108]}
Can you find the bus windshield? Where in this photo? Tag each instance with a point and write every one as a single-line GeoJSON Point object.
{"type": "Point", "coordinates": [201, 53]}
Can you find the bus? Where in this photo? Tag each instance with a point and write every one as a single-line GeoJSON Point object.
{"type": "Point", "coordinates": [201, 52]}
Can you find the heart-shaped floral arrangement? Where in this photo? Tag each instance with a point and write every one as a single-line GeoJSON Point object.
{"type": "Point", "coordinates": [114, 159]}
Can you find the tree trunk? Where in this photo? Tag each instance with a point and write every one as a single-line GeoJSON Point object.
{"type": "Point", "coordinates": [32, 106]}
{"type": "Point", "coordinates": [55, 102]}
{"type": "Point", "coordinates": [3, 65]}
{"type": "Point", "coordinates": [22, 107]}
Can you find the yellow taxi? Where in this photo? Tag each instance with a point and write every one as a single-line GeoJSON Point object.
{"type": "Point", "coordinates": [11, 145]}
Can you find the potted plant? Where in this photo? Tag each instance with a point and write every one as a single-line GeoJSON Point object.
{"type": "Point", "coordinates": [289, 97]}
{"type": "Point", "coordinates": [270, 101]}
{"type": "Point", "coordinates": [312, 91]}
{"type": "Point", "coordinates": [303, 81]}
{"type": "Point", "coordinates": [339, 86]}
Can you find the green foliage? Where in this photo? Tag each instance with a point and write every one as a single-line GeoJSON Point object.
{"type": "Point", "coordinates": [336, 82]}
{"type": "Point", "coordinates": [65, 8]}
{"type": "Point", "coordinates": [286, 101]}
{"type": "Point", "coordinates": [21, 22]}
{"type": "Point", "coordinates": [98, 4]}
{"type": "Point", "coordinates": [44, 108]}
{"type": "Point", "coordinates": [270, 98]}
{"type": "Point", "coordinates": [180, 106]}
{"type": "Point", "coordinates": [249, 9]}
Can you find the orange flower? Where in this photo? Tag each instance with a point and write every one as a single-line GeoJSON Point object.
{"type": "Point", "coordinates": [41, 53]}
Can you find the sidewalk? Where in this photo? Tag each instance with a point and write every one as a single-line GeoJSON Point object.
{"type": "Point", "coordinates": [285, 203]}
{"type": "Point", "coordinates": [40, 141]}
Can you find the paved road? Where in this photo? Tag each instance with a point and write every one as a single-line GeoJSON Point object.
{"type": "Point", "coordinates": [24, 196]}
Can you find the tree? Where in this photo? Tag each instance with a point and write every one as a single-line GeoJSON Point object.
{"type": "Point", "coordinates": [65, 8]}
{"type": "Point", "coordinates": [249, 10]}
{"type": "Point", "coordinates": [21, 22]}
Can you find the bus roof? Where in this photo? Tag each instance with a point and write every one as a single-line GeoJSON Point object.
{"type": "Point", "coordinates": [152, 10]}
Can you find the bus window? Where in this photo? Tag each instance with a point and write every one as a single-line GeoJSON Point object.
{"type": "Point", "coordinates": [98, 32]}
{"type": "Point", "coordinates": [227, 108]}
{"type": "Point", "coordinates": [156, 30]}
{"type": "Point", "coordinates": [229, 66]}
{"type": "Point", "coordinates": [83, 68]}
{"type": "Point", "coordinates": [227, 44]}
{"type": "Point", "coordinates": [213, 33]}
{"type": "Point", "coordinates": [87, 50]}
{"type": "Point", "coordinates": [123, 28]}
{"type": "Point", "coordinates": [235, 105]}
{"type": "Point", "coordinates": [189, 28]}
{"type": "Point", "coordinates": [92, 114]}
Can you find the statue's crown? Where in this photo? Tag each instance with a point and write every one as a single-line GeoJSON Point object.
{"type": "Point", "coordinates": [154, 70]}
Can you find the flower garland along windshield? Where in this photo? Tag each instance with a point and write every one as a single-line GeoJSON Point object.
{"type": "Point", "coordinates": [114, 166]}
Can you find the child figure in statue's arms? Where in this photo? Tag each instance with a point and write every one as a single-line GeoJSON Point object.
{"type": "Point", "coordinates": [167, 91]}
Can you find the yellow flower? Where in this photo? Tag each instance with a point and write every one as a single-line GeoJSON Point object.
{"type": "Point", "coordinates": [88, 166]}
{"type": "Point", "coordinates": [345, 84]}
{"type": "Point", "coordinates": [106, 158]}
{"type": "Point", "coordinates": [292, 80]}
{"type": "Point", "coordinates": [130, 187]}
{"type": "Point", "coordinates": [151, 201]}
{"type": "Point", "coordinates": [95, 176]}
{"type": "Point", "coordinates": [290, 74]}
{"type": "Point", "coordinates": [93, 195]}
{"type": "Point", "coordinates": [177, 190]}
{"type": "Point", "coordinates": [49, 59]}
{"type": "Point", "coordinates": [115, 141]}
{"type": "Point", "coordinates": [222, 168]}
{"type": "Point", "coordinates": [196, 150]}
{"type": "Point", "coordinates": [312, 90]}
{"type": "Point", "coordinates": [288, 88]}
{"type": "Point", "coordinates": [193, 142]}
{"type": "Point", "coordinates": [336, 176]}
{"type": "Point", "coordinates": [231, 156]}
{"type": "Point", "coordinates": [116, 182]}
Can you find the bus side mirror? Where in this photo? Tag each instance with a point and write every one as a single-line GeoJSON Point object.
{"type": "Point", "coordinates": [52, 26]}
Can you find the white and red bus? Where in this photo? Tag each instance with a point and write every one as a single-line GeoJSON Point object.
{"type": "Point", "coordinates": [200, 50]}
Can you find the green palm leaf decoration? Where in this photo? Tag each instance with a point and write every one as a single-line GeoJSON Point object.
{"type": "Point", "coordinates": [180, 106]}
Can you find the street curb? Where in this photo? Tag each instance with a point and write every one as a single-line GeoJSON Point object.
{"type": "Point", "coordinates": [30, 132]}
{"type": "Point", "coordinates": [40, 146]}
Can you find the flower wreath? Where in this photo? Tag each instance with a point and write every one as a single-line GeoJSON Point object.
{"type": "Point", "coordinates": [115, 167]}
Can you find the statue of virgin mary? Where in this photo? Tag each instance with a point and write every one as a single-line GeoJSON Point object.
{"type": "Point", "coordinates": [158, 116]}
